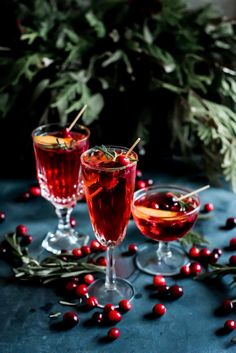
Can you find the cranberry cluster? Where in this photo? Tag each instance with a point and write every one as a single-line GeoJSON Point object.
{"type": "Point", "coordinates": [140, 182]}
{"type": "Point", "coordinates": [32, 192]}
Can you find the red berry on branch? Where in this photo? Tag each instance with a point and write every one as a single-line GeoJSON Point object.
{"type": "Point", "coordinates": [159, 310]}
{"type": "Point", "coordinates": [113, 333]}
{"type": "Point", "coordinates": [21, 230]}
{"type": "Point", "coordinates": [70, 319]}
{"type": "Point", "coordinates": [205, 253]}
{"type": "Point", "coordinates": [208, 207]}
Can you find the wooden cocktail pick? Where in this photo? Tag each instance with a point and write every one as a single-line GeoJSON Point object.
{"type": "Point", "coordinates": [77, 117]}
{"type": "Point", "coordinates": [193, 193]}
{"type": "Point", "coordinates": [132, 147]}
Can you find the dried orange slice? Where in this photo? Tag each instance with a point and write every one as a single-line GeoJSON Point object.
{"type": "Point", "coordinates": [151, 212]}
{"type": "Point", "coordinates": [49, 140]}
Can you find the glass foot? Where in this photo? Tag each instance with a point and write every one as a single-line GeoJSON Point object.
{"type": "Point", "coordinates": [148, 261]}
{"type": "Point", "coordinates": [58, 241]}
{"type": "Point", "coordinates": [123, 290]}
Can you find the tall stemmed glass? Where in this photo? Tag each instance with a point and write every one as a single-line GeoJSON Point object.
{"type": "Point", "coordinates": [57, 154]}
{"type": "Point", "coordinates": [109, 180]}
{"type": "Point", "coordinates": [161, 217]}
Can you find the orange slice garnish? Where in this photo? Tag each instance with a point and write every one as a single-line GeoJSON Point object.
{"type": "Point", "coordinates": [151, 212]}
{"type": "Point", "coordinates": [50, 140]}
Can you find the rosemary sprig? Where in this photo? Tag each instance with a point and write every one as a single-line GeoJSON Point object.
{"type": "Point", "coordinates": [109, 154]}
{"type": "Point", "coordinates": [193, 238]}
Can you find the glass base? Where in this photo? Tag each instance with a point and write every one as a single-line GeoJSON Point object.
{"type": "Point", "coordinates": [58, 241]}
{"type": "Point", "coordinates": [123, 290]}
{"type": "Point", "coordinates": [148, 261]}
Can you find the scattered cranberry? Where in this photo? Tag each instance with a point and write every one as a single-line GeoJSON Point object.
{"type": "Point", "coordinates": [26, 240]}
{"type": "Point", "coordinates": [77, 252]}
{"type": "Point", "coordinates": [213, 258]}
{"type": "Point", "coordinates": [122, 159]}
{"type": "Point", "coordinates": [139, 173]}
{"type": "Point", "coordinates": [108, 307]}
{"type": "Point", "coordinates": [103, 248]}
{"type": "Point", "coordinates": [132, 248]}
{"type": "Point", "coordinates": [176, 291]}
{"type": "Point", "coordinates": [2, 216]}
{"type": "Point", "coordinates": [232, 260]}
{"type": "Point", "coordinates": [70, 319]}
{"type": "Point", "coordinates": [230, 325]}
{"type": "Point", "coordinates": [114, 316]}
{"type": "Point", "coordinates": [88, 279]}
{"type": "Point", "coordinates": [113, 333]}
{"type": "Point", "coordinates": [195, 268]}
{"type": "Point", "coordinates": [21, 230]}
{"type": "Point", "coordinates": [35, 191]}
{"type": "Point", "coordinates": [163, 290]}
{"type": "Point", "coordinates": [70, 286]}
{"type": "Point", "coordinates": [66, 132]}
{"type": "Point", "coordinates": [91, 302]}
{"type": "Point", "coordinates": [86, 250]}
{"type": "Point", "coordinates": [159, 310]}
{"type": "Point", "coordinates": [194, 252]}
{"type": "Point", "coordinates": [217, 251]}
{"type": "Point", "coordinates": [208, 207]}
{"type": "Point", "coordinates": [232, 243]}
{"type": "Point", "coordinates": [98, 317]}
{"type": "Point", "coordinates": [101, 261]}
{"type": "Point", "coordinates": [230, 223]}
{"type": "Point", "coordinates": [185, 270]}
{"type": "Point", "coordinates": [72, 222]}
{"type": "Point", "coordinates": [227, 306]}
{"type": "Point", "coordinates": [205, 253]}
{"type": "Point", "coordinates": [125, 305]}
{"type": "Point", "coordinates": [25, 196]}
{"type": "Point", "coordinates": [159, 280]}
{"type": "Point", "coordinates": [95, 246]}
{"type": "Point", "coordinates": [81, 290]}
{"type": "Point", "coordinates": [140, 184]}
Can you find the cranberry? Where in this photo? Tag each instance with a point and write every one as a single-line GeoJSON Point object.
{"type": "Point", "coordinates": [232, 260]}
{"type": "Point", "coordinates": [230, 223]}
{"type": "Point", "coordinates": [155, 205]}
{"type": "Point", "coordinates": [113, 333]}
{"type": "Point", "coordinates": [125, 305]}
{"type": "Point", "coordinates": [81, 290]}
{"type": "Point", "coordinates": [108, 307]}
{"type": "Point", "coordinates": [122, 160]}
{"type": "Point", "coordinates": [70, 319]}
{"type": "Point", "coordinates": [176, 291]}
{"type": "Point", "coordinates": [163, 290]}
{"type": "Point", "coordinates": [149, 182]}
{"type": "Point", "coordinates": [213, 258]}
{"type": "Point", "coordinates": [140, 184]}
{"type": "Point", "coordinates": [195, 268]}
{"type": "Point", "coordinates": [230, 325]}
{"type": "Point", "coordinates": [72, 222]}
{"type": "Point", "coordinates": [98, 317]}
{"type": "Point", "coordinates": [132, 248]}
{"type": "Point", "coordinates": [85, 250]}
{"type": "Point", "coordinates": [159, 309]}
{"type": "Point", "coordinates": [77, 252]}
{"type": "Point", "coordinates": [21, 230]}
{"type": "Point", "coordinates": [66, 132]}
{"type": "Point", "coordinates": [194, 252]}
{"type": "Point", "coordinates": [26, 240]}
{"type": "Point", "coordinates": [88, 279]}
{"type": "Point", "coordinates": [139, 173]}
{"type": "Point", "coordinates": [185, 270]}
{"type": "Point", "coordinates": [232, 243]}
{"type": "Point", "coordinates": [101, 261]}
{"type": "Point", "coordinates": [205, 253]}
{"type": "Point", "coordinates": [208, 207]}
{"type": "Point", "coordinates": [114, 316]}
{"type": "Point", "coordinates": [91, 302]}
{"type": "Point", "coordinates": [35, 191]}
{"type": "Point", "coordinates": [159, 280]}
{"type": "Point", "coordinates": [25, 196]}
{"type": "Point", "coordinates": [2, 216]}
{"type": "Point", "coordinates": [103, 248]}
{"type": "Point", "coordinates": [95, 246]}
{"type": "Point", "coordinates": [227, 306]}
{"type": "Point", "coordinates": [217, 251]}
{"type": "Point", "coordinates": [71, 286]}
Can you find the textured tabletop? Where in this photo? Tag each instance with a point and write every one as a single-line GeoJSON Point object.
{"type": "Point", "coordinates": [189, 326]}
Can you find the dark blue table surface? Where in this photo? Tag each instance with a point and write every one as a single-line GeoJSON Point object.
{"type": "Point", "coordinates": [189, 326]}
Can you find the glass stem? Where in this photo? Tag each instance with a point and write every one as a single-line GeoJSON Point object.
{"type": "Point", "coordinates": [163, 250]}
{"type": "Point", "coordinates": [63, 215]}
{"type": "Point", "coordinates": [110, 282]}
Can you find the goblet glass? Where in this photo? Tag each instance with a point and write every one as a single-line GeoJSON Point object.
{"type": "Point", "coordinates": [57, 154]}
{"type": "Point", "coordinates": [161, 217]}
{"type": "Point", "coordinates": [109, 180]}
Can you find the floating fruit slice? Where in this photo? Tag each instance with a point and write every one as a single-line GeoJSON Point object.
{"type": "Point", "coordinates": [50, 140]}
{"type": "Point", "coordinates": [151, 212]}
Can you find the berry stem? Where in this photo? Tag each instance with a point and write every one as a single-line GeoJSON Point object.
{"type": "Point", "coordinates": [77, 117]}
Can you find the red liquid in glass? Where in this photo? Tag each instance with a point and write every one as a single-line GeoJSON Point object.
{"type": "Point", "coordinates": [58, 168]}
{"type": "Point", "coordinates": [160, 218]}
{"type": "Point", "coordinates": [109, 194]}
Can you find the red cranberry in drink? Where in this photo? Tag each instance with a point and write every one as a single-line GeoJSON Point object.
{"type": "Point", "coordinates": [77, 252]}
{"type": "Point", "coordinates": [113, 333]}
{"type": "Point", "coordinates": [65, 133]}
{"type": "Point", "coordinates": [195, 268]}
{"type": "Point", "coordinates": [70, 319]}
{"type": "Point", "coordinates": [158, 280]}
{"type": "Point", "coordinates": [2, 216]}
{"type": "Point", "coordinates": [227, 306]}
{"type": "Point", "coordinates": [185, 270]}
{"type": "Point", "coordinates": [88, 279]}
{"type": "Point", "coordinates": [208, 207]}
{"type": "Point", "coordinates": [98, 318]}
{"type": "Point", "coordinates": [85, 250]}
{"type": "Point", "coordinates": [230, 325]}
{"type": "Point", "coordinates": [21, 230]}
{"type": "Point", "coordinates": [125, 305]}
{"type": "Point", "coordinates": [70, 287]}
{"type": "Point", "coordinates": [101, 261]}
{"type": "Point", "coordinates": [122, 160]}
{"type": "Point", "coordinates": [176, 291]}
{"type": "Point", "coordinates": [26, 240]}
{"type": "Point", "coordinates": [230, 223]}
{"type": "Point", "coordinates": [35, 191]}
{"type": "Point", "coordinates": [194, 252]}
{"type": "Point", "coordinates": [232, 260]}
{"type": "Point", "coordinates": [132, 248]}
{"type": "Point", "coordinates": [95, 246]}
{"type": "Point", "coordinates": [159, 310]}
{"type": "Point", "coordinates": [91, 302]}
{"type": "Point", "coordinates": [114, 316]}
{"type": "Point", "coordinates": [81, 290]}
{"type": "Point", "coordinates": [232, 243]}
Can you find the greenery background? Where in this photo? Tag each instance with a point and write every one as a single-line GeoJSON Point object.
{"type": "Point", "coordinates": [147, 68]}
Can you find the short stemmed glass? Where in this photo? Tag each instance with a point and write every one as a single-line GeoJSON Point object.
{"type": "Point", "coordinates": [57, 154]}
{"type": "Point", "coordinates": [161, 217]}
{"type": "Point", "coordinates": [109, 181]}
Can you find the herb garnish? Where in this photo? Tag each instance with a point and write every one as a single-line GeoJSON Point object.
{"type": "Point", "coordinates": [109, 154]}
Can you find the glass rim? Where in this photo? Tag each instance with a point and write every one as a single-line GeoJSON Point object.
{"type": "Point", "coordinates": [167, 187]}
{"type": "Point", "coordinates": [81, 126]}
{"type": "Point", "coordinates": [108, 169]}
